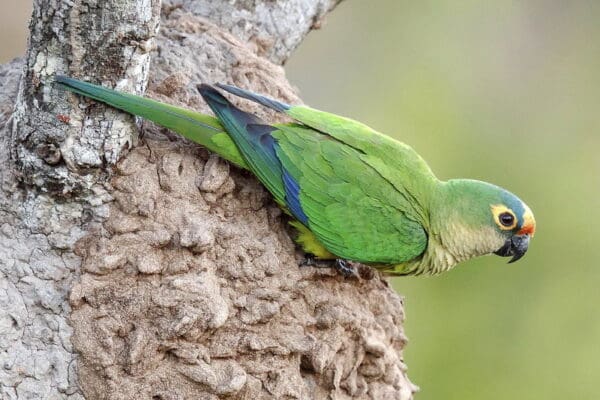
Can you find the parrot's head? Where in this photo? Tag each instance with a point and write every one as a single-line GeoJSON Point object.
{"type": "Point", "coordinates": [482, 218]}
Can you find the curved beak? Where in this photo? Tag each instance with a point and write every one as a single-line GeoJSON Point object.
{"type": "Point", "coordinates": [516, 246]}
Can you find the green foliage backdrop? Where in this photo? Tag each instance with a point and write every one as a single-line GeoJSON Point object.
{"type": "Point", "coordinates": [501, 91]}
{"type": "Point", "coordinates": [506, 92]}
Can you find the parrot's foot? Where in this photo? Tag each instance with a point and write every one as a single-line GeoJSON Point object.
{"type": "Point", "coordinates": [342, 266]}
{"type": "Point", "coordinates": [309, 261]}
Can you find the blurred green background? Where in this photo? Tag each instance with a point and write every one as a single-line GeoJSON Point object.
{"type": "Point", "coordinates": [507, 92]}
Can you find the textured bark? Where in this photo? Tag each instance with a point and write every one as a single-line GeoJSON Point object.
{"type": "Point", "coordinates": [148, 268]}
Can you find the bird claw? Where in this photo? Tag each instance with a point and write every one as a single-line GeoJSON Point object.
{"type": "Point", "coordinates": [344, 268]}
{"type": "Point", "coordinates": [309, 261]}
{"type": "Point", "coordinates": [340, 265]}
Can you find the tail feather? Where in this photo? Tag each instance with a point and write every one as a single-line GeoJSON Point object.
{"type": "Point", "coordinates": [200, 128]}
{"type": "Point", "coordinates": [257, 98]}
{"type": "Point", "coordinates": [260, 150]}
{"type": "Point", "coordinates": [253, 138]}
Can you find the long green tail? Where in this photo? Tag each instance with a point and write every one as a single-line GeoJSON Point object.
{"type": "Point", "coordinates": [200, 128]}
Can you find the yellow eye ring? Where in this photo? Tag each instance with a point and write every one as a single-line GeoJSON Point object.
{"type": "Point", "coordinates": [504, 217]}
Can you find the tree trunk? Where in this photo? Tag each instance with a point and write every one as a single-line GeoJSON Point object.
{"type": "Point", "coordinates": [147, 268]}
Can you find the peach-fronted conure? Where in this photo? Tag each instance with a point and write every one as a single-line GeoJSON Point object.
{"type": "Point", "coordinates": [353, 193]}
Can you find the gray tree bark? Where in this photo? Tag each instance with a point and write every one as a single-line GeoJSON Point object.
{"type": "Point", "coordinates": [146, 268]}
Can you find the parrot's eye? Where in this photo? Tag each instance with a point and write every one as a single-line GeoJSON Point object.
{"type": "Point", "coordinates": [506, 219]}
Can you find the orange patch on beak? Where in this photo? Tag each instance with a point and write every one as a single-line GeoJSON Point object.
{"type": "Point", "coordinates": [528, 223]}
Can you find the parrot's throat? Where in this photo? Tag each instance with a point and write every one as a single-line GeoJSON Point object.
{"type": "Point", "coordinates": [457, 243]}
{"type": "Point", "coordinates": [465, 242]}
{"type": "Point", "coordinates": [451, 246]}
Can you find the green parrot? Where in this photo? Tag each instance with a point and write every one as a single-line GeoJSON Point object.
{"type": "Point", "coordinates": [354, 194]}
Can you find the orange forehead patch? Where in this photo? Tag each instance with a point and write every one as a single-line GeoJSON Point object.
{"type": "Point", "coordinates": [528, 223]}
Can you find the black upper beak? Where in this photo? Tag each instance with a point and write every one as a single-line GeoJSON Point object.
{"type": "Point", "coordinates": [516, 247]}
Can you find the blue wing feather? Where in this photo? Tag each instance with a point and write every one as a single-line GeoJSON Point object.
{"type": "Point", "coordinates": [257, 145]}
{"type": "Point", "coordinates": [252, 137]}
{"type": "Point", "coordinates": [260, 99]}
{"type": "Point", "coordinates": [292, 197]}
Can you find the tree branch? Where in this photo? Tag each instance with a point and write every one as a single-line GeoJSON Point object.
{"type": "Point", "coordinates": [182, 279]}
{"type": "Point", "coordinates": [271, 29]}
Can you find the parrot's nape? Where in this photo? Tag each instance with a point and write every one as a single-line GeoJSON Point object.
{"type": "Point", "coordinates": [353, 193]}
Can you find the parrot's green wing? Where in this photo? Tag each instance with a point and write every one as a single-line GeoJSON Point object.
{"type": "Point", "coordinates": [395, 161]}
{"type": "Point", "coordinates": [334, 186]}
{"type": "Point", "coordinates": [355, 212]}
